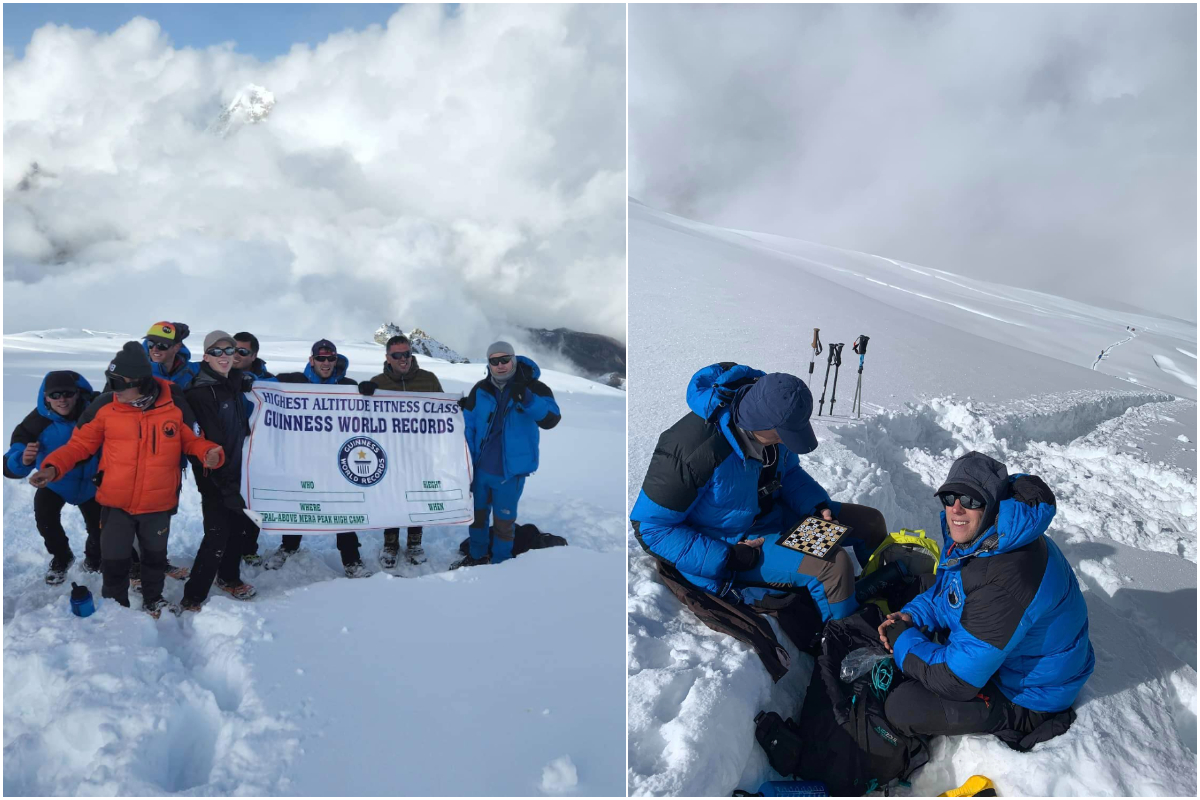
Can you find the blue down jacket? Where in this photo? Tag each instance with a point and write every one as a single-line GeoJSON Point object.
{"type": "Point", "coordinates": [51, 431]}
{"type": "Point", "coordinates": [537, 410]}
{"type": "Point", "coordinates": [701, 493]}
{"type": "Point", "coordinates": [1011, 609]}
{"type": "Point", "coordinates": [185, 369]}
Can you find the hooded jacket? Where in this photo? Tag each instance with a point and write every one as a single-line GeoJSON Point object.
{"type": "Point", "coordinates": [701, 494]}
{"type": "Point", "coordinates": [51, 431]}
{"type": "Point", "coordinates": [183, 370]}
{"type": "Point", "coordinates": [1009, 601]}
{"type": "Point", "coordinates": [220, 410]}
{"type": "Point", "coordinates": [142, 449]}
{"type": "Point", "coordinates": [309, 375]}
{"type": "Point", "coordinates": [417, 380]}
{"type": "Point", "coordinates": [522, 418]}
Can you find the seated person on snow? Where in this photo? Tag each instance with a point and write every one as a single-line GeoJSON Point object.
{"type": "Point", "coordinates": [1013, 619]}
{"type": "Point", "coordinates": [61, 399]}
{"type": "Point", "coordinates": [725, 483]}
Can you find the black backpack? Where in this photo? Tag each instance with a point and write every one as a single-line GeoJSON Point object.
{"type": "Point", "coordinates": [843, 738]}
{"type": "Point", "coordinates": [525, 538]}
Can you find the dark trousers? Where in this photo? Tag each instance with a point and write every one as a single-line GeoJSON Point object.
{"type": "Point", "coordinates": [249, 537]}
{"type": "Point", "coordinates": [414, 536]}
{"type": "Point", "coordinates": [220, 553]}
{"type": "Point", "coordinates": [47, 515]}
{"type": "Point", "coordinates": [118, 530]}
{"type": "Point", "coordinates": [913, 709]}
{"type": "Point", "coordinates": [347, 545]}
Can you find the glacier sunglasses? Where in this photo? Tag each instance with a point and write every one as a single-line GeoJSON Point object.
{"type": "Point", "coordinates": [400, 355]}
{"type": "Point", "coordinates": [498, 360]}
{"type": "Point", "coordinates": [160, 346]}
{"type": "Point", "coordinates": [65, 394]}
{"type": "Point", "coordinates": [967, 501]}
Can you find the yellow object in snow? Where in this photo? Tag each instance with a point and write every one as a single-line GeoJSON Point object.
{"type": "Point", "coordinates": [976, 786]}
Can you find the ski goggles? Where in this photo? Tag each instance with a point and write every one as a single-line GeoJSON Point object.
{"type": "Point", "coordinates": [119, 384]}
{"type": "Point", "coordinates": [400, 355]}
{"type": "Point", "coordinates": [63, 394]}
{"type": "Point", "coordinates": [498, 360]}
{"type": "Point", "coordinates": [220, 351]}
{"type": "Point", "coordinates": [324, 359]}
{"type": "Point", "coordinates": [967, 501]}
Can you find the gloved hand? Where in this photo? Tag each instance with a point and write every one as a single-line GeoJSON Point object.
{"type": "Point", "coordinates": [367, 388]}
{"type": "Point", "coordinates": [743, 557]}
{"type": "Point", "coordinates": [462, 402]}
{"type": "Point", "coordinates": [247, 381]}
{"type": "Point", "coordinates": [1031, 490]}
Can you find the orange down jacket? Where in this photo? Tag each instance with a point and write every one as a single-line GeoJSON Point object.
{"type": "Point", "coordinates": [142, 449]}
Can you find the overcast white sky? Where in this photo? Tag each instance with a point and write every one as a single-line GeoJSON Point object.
{"type": "Point", "coordinates": [462, 173]}
{"type": "Point", "coordinates": [1048, 146]}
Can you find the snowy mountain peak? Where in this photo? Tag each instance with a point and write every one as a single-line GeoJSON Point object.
{"type": "Point", "coordinates": [249, 106]}
{"type": "Point", "coordinates": [422, 343]}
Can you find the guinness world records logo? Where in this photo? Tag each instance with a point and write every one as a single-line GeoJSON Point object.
{"type": "Point", "coordinates": [361, 461]}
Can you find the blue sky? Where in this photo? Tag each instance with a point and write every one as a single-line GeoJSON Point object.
{"type": "Point", "coordinates": [263, 30]}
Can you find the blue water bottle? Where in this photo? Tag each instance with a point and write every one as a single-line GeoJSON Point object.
{"type": "Point", "coordinates": [82, 604]}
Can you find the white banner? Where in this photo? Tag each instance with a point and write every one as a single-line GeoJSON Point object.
{"type": "Point", "coordinates": [326, 459]}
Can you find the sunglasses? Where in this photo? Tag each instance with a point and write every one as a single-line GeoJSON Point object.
{"type": "Point", "coordinates": [65, 394]}
{"type": "Point", "coordinates": [400, 354]}
{"type": "Point", "coordinates": [220, 351]}
{"type": "Point", "coordinates": [948, 499]}
{"type": "Point", "coordinates": [242, 351]}
{"type": "Point", "coordinates": [498, 360]}
{"type": "Point", "coordinates": [324, 359]}
{"type": "Point", "coordinates": [160, 346]}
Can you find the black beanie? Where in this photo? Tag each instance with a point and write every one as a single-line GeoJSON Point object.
{"type": "Point", "coordinates": [131, 363]}
{"type": "Point", "coordinates": [62, 380]}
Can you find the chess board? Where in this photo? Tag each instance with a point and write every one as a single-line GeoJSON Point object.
{"type": "Point", "coordinates": [814, 536]}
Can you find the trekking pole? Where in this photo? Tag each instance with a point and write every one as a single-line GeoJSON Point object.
{"type": "Point", "coordinates": [816, 346]}
{"type": "Point", "coordinates": [860, 347]}
{"type": "Point", "coordinates": [828, 364]}
{"type": "Point", "coordinates": [837, 362]}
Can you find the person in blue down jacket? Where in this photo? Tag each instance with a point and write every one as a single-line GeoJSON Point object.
{"type": "Point", "coordinates": [1012, 619]}
{"type": "Point", "coordinates": [61, 399]}
{"type": "Point", "coordinates": [503, 414]}
{"type": "Point", "coordinates": [725, 483]}
{"type": "Point", "coordinates": [169, 357]}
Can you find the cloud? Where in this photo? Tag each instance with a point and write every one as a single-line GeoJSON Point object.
{"type": "Point", "coordinates": [459, 173]}
{"type": "Point", "coordinates": [1050, 146]}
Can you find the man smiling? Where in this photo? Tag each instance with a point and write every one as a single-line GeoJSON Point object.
{"type": "Point", "coordinates": [1013, 619]}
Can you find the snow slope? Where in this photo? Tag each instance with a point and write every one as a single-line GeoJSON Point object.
{"type": "Point", "coordinates": [953, 365]}
{"type": "Point", "coordinates": [501, 680]}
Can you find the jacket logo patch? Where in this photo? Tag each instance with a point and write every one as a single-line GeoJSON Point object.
{"type": "Point", "coordinates": [954, 598]}
{"type": "Point", "coordinates": [170, 429]}
{"type": "Point", "coordinates": [887, 735]}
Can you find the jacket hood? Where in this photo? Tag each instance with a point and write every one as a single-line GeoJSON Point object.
{"type": "Point", "coordinates": [535, 371]}
{"type": "Point", "coordinates": [1015, 525]}
{"type": "Point", "coordinates": [207, 375]}
{"type": "Point", "coordinates": [183, 358]}
{"type": "Point", "coordinates": [258, 367]}
{"type": "Point", "coordinates": [712, 390]}
{"type": "Point", "coordinates": [43, 406]}
{"type": "Point", "coordinates": [339, 371]}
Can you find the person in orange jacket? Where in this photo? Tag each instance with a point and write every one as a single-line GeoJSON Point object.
{"type": "Point", "coordinates": [144, 427]}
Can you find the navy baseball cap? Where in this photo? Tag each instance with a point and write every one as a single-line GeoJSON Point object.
{"type": "Point", "coordinates": [782, 403]}
{"type": "Point", "coordinates": [326, 345]}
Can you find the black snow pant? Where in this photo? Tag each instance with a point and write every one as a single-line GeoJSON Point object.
{"type": "Point", "coordinates": [220, 553]}
{"type": "Point", "coordinates": [914, 710]}
{"type": "Point", "coordinates": [118, 529]}
{"type": "Point", "coordinates": [347, 545]}
{"type": "Point", "coordinates": [414, 536]}
{"type": "Point", "coordinates": [249, 537]}
{"type": "Point", "coordinates": [47, 515]}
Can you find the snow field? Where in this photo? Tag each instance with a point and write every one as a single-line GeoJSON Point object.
{"type": "Point", "coordinates": [500, 680]}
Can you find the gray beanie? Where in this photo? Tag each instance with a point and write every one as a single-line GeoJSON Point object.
{"type": "Point", "coordinates": [500, 348]}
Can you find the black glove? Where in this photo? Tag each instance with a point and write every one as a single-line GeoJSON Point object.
{"type": "Point", "coordinates": [367, 388]}
{"type": "Point", "coordinates": [743, 557]}
{"type": "Point", "coordinates": [1031, 490]}
{"type": "Point", "coordinates": [893, 631]}
{"type": "Point", "coordinates": [462, 402]}
{"type": "Point", "coordinates": [247, 381]}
